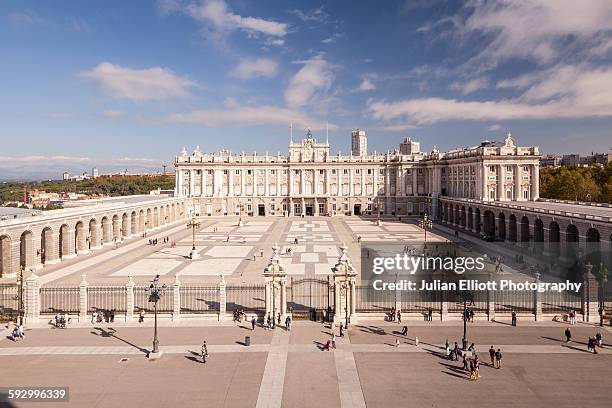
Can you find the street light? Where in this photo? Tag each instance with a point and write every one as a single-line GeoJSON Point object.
{"type": "Point", "coordinates": [155, 292]}
{"type": "Point", "coordinates": [193, 224]}
{"type": "Point", "coordinates": [464, 295]}
{"type": "Point", "coordinates": [426, 224]}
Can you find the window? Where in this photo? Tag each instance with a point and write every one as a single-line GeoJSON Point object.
{"type": "Point", "coordinates": [297, 172]}
{"type": "Point", "coordinates": [443, 171]}
{"type": "Point", "coordinates": [272, 171]}
{"type": "Point", "coordinates": [225, 171]}
{"type": "Point", "coordinates": [321, 172]}
{"type": "Point", "coordinates": [369, 171]}
{"type": "Point", "coordinates": [273, 207]}
{"type": "Point", "coordinates": [237, 171]}
{"type": "Point", "coordinates": [526, 194]}
{"type": "Point", "coordinates": [381, 171]}
{"type": "Point", "coordinates": [345, 171]}
{"type": "Point", "coordinates": [408, 171]}
{"type": "Point", "coordinates": [492, 169]}
{"type": "Point", "coordinates": [249, 172]}
{"type": "Point", "coordinates": [198, 172]}
{"type": "Point", "coordinates": [285, 171]}
{"type": "Point", "coordinates": [525, 168]}
{"type": "Point", "coordinates": [209, 172]}
{"type": "Point", "coordinates": [333, 171]}
{"type": "Point", "coordinates": [420, 171]}
{"type": "Point", "coordinates": [357, 171]}
{"type": "Point", "coordinates": [508, 168]}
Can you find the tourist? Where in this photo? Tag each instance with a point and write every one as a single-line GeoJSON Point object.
{"type": "Point", "coordinates": [492, 356]}
{"type": "Point", "coordinates": [288, 323]}
{"type": "Point", "coordinates": [447, 348]}
{"type": "Point", "coordinates": [278, 318]}
{"type": "Point", "coordinates": [94, 317]}
{"type": "Point", "coordinates": [456, 352]}
{"type": "Point", "coordinates": [471, 315]}
{"type": "Point", "coordinates": [253, 323]}
{"type": "Point", "coordinates": [599, 339]}
{"type": "Point", "coordinates": [568, 335]}
{"type": "Point", "coordinates": [295, 241]}
{"type": "Point", "coordinates": [513, 317]}
{"type": "Point", "coordinates": [141, 316]}
{"type": "Point", "coordinates": [254, 257]}
{"type": "Point", "coordinates": [498, 358]}
{"type": "Point", "coordinates": [399, 316]}
{"type": "Point", "coordinates": [405, 330]}
{"type": "Point", "coordinates": [465, 363]}
{"type": "Point", "coordinates": [269, 322]}
{"type": "Point", "coordinates": [477, 366]}
{"type": "Point", "coordinates": [204, 352]}
{"type": "Point", "coordinates": [429, 314]}
{"type": "Point", "coordinates": [341, 330]}
{"type": "Point", "coordinates": [261, 252]}
{"type": "Point", "coordinates": [15, 334]}
{"type": "Point", "coordinates": [416, 341]}
{"type": "Point", "coordinates": [333, 339]}
{"type": "Point", "coordinates": [473, 374]}
{"type": "Point", "coordinates": [397, 343]}
{"type": "Point", "coordinates": [327, 345]}
{"type": "Point", "coordinates": [112, 316]}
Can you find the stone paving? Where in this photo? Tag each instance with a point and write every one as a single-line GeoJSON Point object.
{"type": "Point", "coordinates": [289, 369]}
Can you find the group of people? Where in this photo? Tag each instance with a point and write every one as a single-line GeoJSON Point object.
{"type": "Point", "coordinates": [571, 317]}
{"type": "Point", "coordinates": [469, 315]}
{"type": "Point", "coordinates": [61, 321]}
{"type": "Point", "coordinates": [100, 315]}
{"type": "Point", "coordinates": [472, 364]}
{"type": "Point", "coordinates": [18, 332]}
{"type": "Point", "coordinates": [395, 315]}
{"type": "Point", "coordinates": [238, 315]}
{"type": "Point", "coordinates": [594, 342]}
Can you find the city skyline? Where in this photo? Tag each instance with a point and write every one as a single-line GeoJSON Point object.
{"type": "Point", "coordinates": [84, 87]}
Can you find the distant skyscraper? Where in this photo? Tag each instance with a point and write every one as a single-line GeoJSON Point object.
{"type": "Point", "coordinates": [408, 146]}
{"type": "Point", "coordinates": [95, 173]}
{"type": "Point", "coordinates": [65, 175]}
{"type": "Point", "coordinates": [359, 143]}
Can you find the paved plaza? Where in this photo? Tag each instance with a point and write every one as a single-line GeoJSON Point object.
{"type": "Point", "coordinates": [106, 366]}
{"type": "Point", "coordinates": [308, 246]}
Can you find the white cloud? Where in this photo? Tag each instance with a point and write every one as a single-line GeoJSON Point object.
{"type": "Point", "coordinates": [565, 92]}
{"type": "Point", "coordinates": [494, 127]}
{"type": "Point", "coordinates": [23, 20]}
{"type": "Point", "coordinates": [312, 80]}
{"type": "Point", "coordinates": [366, 85]}
{"type": "Point", "coordinates": [318, 15]}
{"type": "Point", "coordinates": [238, 116]}
{"type": "Point", "coordinates": [112, 114]}
{"type": "Point", "coordinates": [274, 41]}
{"type": "Point", "coordinates": [138, 84]}
{"type": "Point", "coordinates": [470, 86]}
{"type": "Point", "coordinates": [217, 13]}
{"type": "Point", "coordinates": [533, 29]}
{"type": "Point", "coordinates": [261, 67]}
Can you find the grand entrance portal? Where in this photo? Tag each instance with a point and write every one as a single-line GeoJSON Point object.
{"type": "Point", "coordinates": [309, 210]}
{"type": "Point", "coordinates": [261, 209]}
{"type": "Point", "coordinates": [357, 209]}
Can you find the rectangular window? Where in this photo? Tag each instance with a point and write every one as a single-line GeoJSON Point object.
{"type": "Point", "coordinates": [369, 171]}
{"type": "Point", "coordinates": [508, 168]}
{"type": "Point", "coordinates": [237, 171]}
{"type": "Point", "coordinates": [272, 171]}
{"type": "Point", "coordinates": [492, 169]}
{"type": "Point", "coordinates": [526, 194]}
{"type": "Point", "coordinates": [420, 171]}
{"type": "Point", "coordinates": [525, 168]}
{"type": "Point", "coordinates": [209, 172]}
{"type": "Point", "coordinates": [224, 171]}
{"type": "Point", "coordinates": [345, 171]}
{"type": "Point", "coordinates": [357, 171]}
{"type": "Point", "coordinates": [249, 172]}
{"type": "Point", "coordinates": [381, 171]}
{"type": "Point", "coordinates": [443, 171]}
{"type": "Point", "coordinates": [285, 171]}
{"type": "Point", "coordinates": [321, 172]}
{"type": "Point", "coordinates": [198, 172]}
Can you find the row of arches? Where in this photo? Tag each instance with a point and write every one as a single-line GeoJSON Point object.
{"type": "Point", "coordinates": [521, 229]}
{"type": "Point", "coordinates": [57, 243]}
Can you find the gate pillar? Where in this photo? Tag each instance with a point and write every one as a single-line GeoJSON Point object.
{"type": "Point", "coordinates": [344, 290]}
{"type": "Point", "coordinates": [275, 277]}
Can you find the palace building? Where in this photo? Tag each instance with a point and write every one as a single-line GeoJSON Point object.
{"type": "Point", "coordinates": [312, 181]}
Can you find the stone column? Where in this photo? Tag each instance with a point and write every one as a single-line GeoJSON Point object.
{"type": "Point", "coordinates": [268, 301]}
{"type": "Point", "coordinates": [191, 182]}
{"type": "Point", "coordinates": [278, 182]}
{"type": "Point", "coordinates": [129, 293]}
{"type": "Point", "coordinates": [327, 181]}
{"type": "Point", "coordinates": [254, 192]}
{"type": "Point", "coordinates": [302, 182]}
{"type": "Point", "coordinates": [32, 297]}
{"type": "Point", "coordinates": [176, 298]}
{"type": "Point", "coordinates": [353, 305]}
{"type": "Point", "coordinates": [283, 298]}
{"type": "Point", "coordinates": [485, 182]}
{"type": "Point", "coordinates": [230, 187]}
{"type": "Point", "coordinates": [590, 288]}
{"type": "Point", "coordinates": [535, 182]}
{"type": "Point", "coordinates": [415, 182]}
{"type": "Point", "coordinates": [351, 184]}
{"type": "Point", "coordinates": [363, 182]}
{"type": "Point", "coordinates": [518, 194]}
{"type": "Point", "coordinates": [52, 256]}
{"type": "Point", "coordinates": [83, 301]}
{"type": "Point", "coordinates": [500, 182]}
{"type": "Point", "coordinates": [203, 183]}
{"type": "Point", "coordinates": [242, 183]}
{"type": "Point", "coordinates": [222, 299]}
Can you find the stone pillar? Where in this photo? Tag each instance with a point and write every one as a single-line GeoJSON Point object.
{"type": "Point", "coordinates": [491, 304]}
{"type": "Point", "coordinates": [32, 297]}
{"type": "Point", "coordinates": [415, 182]}
{"type": "Point", "coordinates": [500, 182]}
{"type": "Point", "coordinates": [191, 182]}
{"type": "Point", "coordinates": [535, 182]}
{"type": "Point", "coordinates": [83, 301]}
{"type": "Point", "coordinates": [268, 301]}
{"type": "Point", "coordinates": [129, 293]}
{"type": "Point", "coordinates": [275, 278]}
{"type": "Point", "coordinates": [52, 256]}
{"type": "Point", "coordinates": [485, 182]}
{"type": "Point", "coordinates": [176, 298]}
{"type": "Point", "coordinates": [283, 297]}
{"type": "Point", "coordinates": [590, 288]}
{"type": "Point", "coordinates": [117, 229]}
{"type": "Point", "coordinates": [444, 307]}
{"type": "Point", "coordinates": [344, 281]}
{"type": "Point", "coordinates": [518, 194]}
{"type": "Point", "coordinates": [222, 299]}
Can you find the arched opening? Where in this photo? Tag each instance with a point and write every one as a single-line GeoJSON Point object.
{"type": "Point", "coordinates": [64, 241]}
{"type": "Point", "coordinates": [26, 253]}
{"type": "Point", "coordinates": [501, 226]}
{"type": "Point", "coordinates": [94, 236]}
{"type": "Point", "coordinates": [167, 217]}
{"type": "Point", "coordinates": [173, 212]}
{"type": "Point", "coordinates": [162, 215]}
{"type": "Point", "coordinates": [512, 228]}
{"type": "Point", "coordinates": [470, 218]}
{"type": "Point", "coordinates": [477, 221]}
{"type": "Point", "coordinates": [80, 238]}
{"type": "Point", "coordinates": [525, 236]}
{"type": "Point", "coordinates": [141, 221]}
{"type": "Point", "coordinates": [554, 238]}
{"type": "Point", "coordinates": [538, 235]}
{"type": "Point", "coordinates": [116, 228]}
{"type": "Point", "coordinates": [149, 222]}
{"type": "Point", "coordinates": [46, 245]}
{"type": "Point", "coordinates": [593, 249]}
{"type": "Point", "coordinates": [457, 216]}
{"type": "Point", "coordinates": [572, 240]}
{"type": "Point", "coordinates": [155, 217]}
{"type": "Point", "coordinates": [463, 217]}
{"type": "Point", "coordinates": [489, 223]}
{"type": "Point", "coordinates": [451, 214]}
{"type": "Point", "coordinates": [107, 230]}
{"type": "Point", "coordinates": [134, 223]}
{"type": "Point", "coordinates": [125, 225]}
{"type": "Point", "coordinates": [5, 255]}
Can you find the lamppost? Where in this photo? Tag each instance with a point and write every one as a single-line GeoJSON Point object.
{"type": "Point", "coordinates": [378, 221]}
{"type": "Point", "coordinates": [155, 292]}
{"type": "Point", "coordinates": [274, 285]}
{"type": "Point", "coordinates": [464, 295]}
{"type": "Point", "coordinates": [193, 224]}
{"type": "Point", "coordinates": [241, 206]}
{"type": "Point", "coordinates": [603, 281]}
{"type": "Point", "coordinates": [20, 305]}
{"type": "Point", "coordinates": [426, 224]}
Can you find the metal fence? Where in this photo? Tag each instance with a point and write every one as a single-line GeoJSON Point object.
{"type": "Point", "coordinates": [107, 298]}
{"type": "Point", "coordinates": [421, 301]}
{"type": "Point", "coordinates": [308, 294]}
{"type": "Point", "coordinates": [369, 300]}
{"type": "Point", "coordinates": [517, 300]}
{"type": "Point", "coordinates": [59, 299]}
{"type": "Point", "coordinates": [141, 300]}
{"type": "Point", "coordinates": [250, 298]}
{"type": "Point", "coordinates": [560, 302]}
{"type": "Point", "coordinates": [9, 299]}
{"type": "Point", "coordinates": [199, 299]}
{"type": "Point", "coordinates": [476, 300]}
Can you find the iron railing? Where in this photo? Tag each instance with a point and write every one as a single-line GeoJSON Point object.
{"type": "Point", "coordinates": [141, 300]}
{"type": "Point", "coordinates": [249, 298]}
{"type": "Point", "coordinates": [199, 299]}
{"type": "Point", "coordinates": [59, 299]}
{"type": "Point", "coordinates": [107, 298]}
{"type": "Point", "coordinates": [9, 300]}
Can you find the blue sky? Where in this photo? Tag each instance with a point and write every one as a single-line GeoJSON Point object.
{"type": "Point", "coordinates": [128, 84]}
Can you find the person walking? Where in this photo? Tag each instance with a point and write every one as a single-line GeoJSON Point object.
{"type": "Point", "coordinates": [405, 331]}
{"type": "Point", "coordinates": [416, 341]}
{"type": "Point", "coordinates": [568, 335]}
{"type": "Point", "coordinates": [253, 322]}
{"type": "Point", "coordinates": [341, 330]}
{"type": "Point", "coordinates": [456, 351]}
{"type": "Point", "coordinates": [465, 363]}
{"type": "Point", "coordinates": [513, 317]}
{"type": "Point", "coordinates": [288, 323]}
{"type": "Point", "coordinates": [399, 316]}
{"type": "Point", "coordinates": [261, 252]}
{"type": "Point", "coordinates": [141, 316]}
{"type": "Point", "coordinates": [599, 339]}
{"type": "Point", "coordinates": [492, 356]}
{"type": "Point", "coordinates": [429, 314]}
{"type": "Point", "coordinates": [204, 352]}
{"type": "Point", "coordinates": [498, 358]}
{"type": "Point", "coordinates": [333, 340]}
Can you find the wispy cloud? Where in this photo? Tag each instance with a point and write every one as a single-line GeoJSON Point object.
{"type": "Point", "coordinates": [261, 67]}
{"type": "Point", "coordinates": [469, 86]}
{"type": "Point", "coordinates": [318, 15]}
{"type": "Point", "coordinates": [24, 20]}
{"type": "Point", "coordinates": [494, 127]}
{"type": "Point", "coordinates": [310, 82]}
{"type": "Point", "coordinates": [138, 85]}
{"type": "Point", "coordinates": [367, 83]}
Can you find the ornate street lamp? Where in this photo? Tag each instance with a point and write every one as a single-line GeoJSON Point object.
{"type": "Point", "coordinates": [241, 206]}
{"type": "Point", "coordinates": [426, 224]}
{"type": "Point", "coordinates": [464, 295]}
{"type": "Point", "coordinates": [155, 292]}
{"type": "Point", "coordinates": [193, 225]}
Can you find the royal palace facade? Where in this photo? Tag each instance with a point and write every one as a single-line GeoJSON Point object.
{"type": "Point", "coordinates": [312, 181]}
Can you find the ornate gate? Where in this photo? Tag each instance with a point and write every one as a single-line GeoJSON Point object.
{"type": "Point", "coordinates": [308, 298]}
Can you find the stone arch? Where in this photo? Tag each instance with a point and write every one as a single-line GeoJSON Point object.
{"type": "Point", "coordinates": [451, 214]}
{"type": "Point", "coordinates": [525, 236]}
{"type": "Point", "coordinates": [167, 218]}
{"type": "Point", "coordinates": [477, 221]}
{"type": "Point", "coordinates": [162, 215]}
{"type": "Point", "coordinates": [5, 255]}
{"type": "Point", "coordinates": [512, 236]}
{"type": "Point", "coordinates": [46, 245]}
{"type": "Point", "coordinates": [80, 237]}
{"type": "Point", "coordinates": [134, 223]}
{"type": "Point", "coordinates": [155, 217]}
{"type": "Point", "coordinates": [26, 249]}
{"type": "Point", "coordinates": [141, 221]}
{"type": "Point", "coordinates": [501, 226]}
{"type": "Point", "coordinates": [149, 222]}
{"type": "Point", "coordinates": [457, 215]}
{"type": "Point", "coordinates": [65, 249]}
{"type": "Point", "coordinates": [173, 212]}
{"type": "Point", "coordinates": [489, 222]}
{"type": "Point", "coordinates": [470, 218]}
{"type": "Point", "coordinates": [572, 240]}
{"type": "Point", "coordinates": [593, 249]}
{"type": "Point", "coordinates": [94, 234]}
{"type": "Point", "coordinates": [125, 225]}
{"type": "Point", "coordinates": [116, 228]}
{"type": "Point", "coordinates": [107, 230]}
{"type": "Point", "coordinates": [554, 238]}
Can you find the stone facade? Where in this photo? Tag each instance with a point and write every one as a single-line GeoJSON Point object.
{"type": "Point", "coordinates": [312, 181]}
